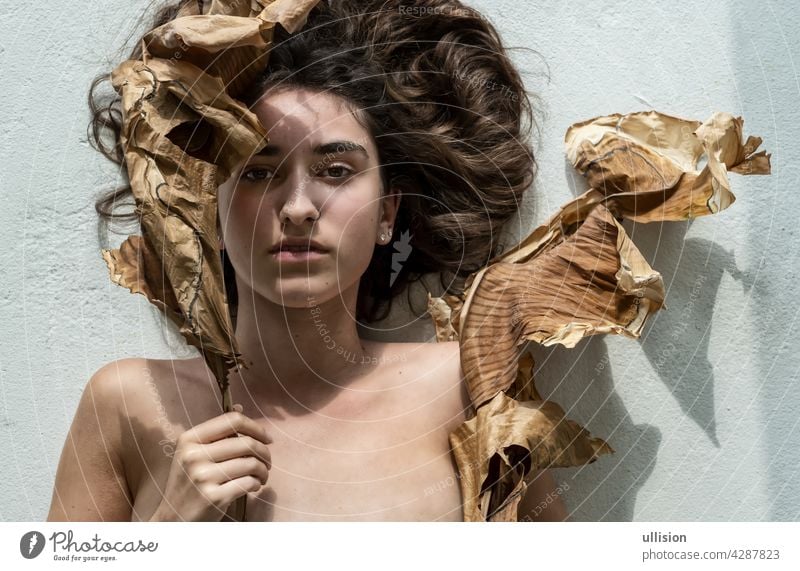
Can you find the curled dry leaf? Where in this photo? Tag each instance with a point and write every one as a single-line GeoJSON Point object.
{"type": "Point", "coordinates": [504, 441]}
{"type": "Point", "coordinates": [441, 311]}
{"type": "Point", "coordinates": [648, 162]}
{"type": "Point", "coordinates": [576, 275]}
{"type": "Point", "coordinates": [183, 134]}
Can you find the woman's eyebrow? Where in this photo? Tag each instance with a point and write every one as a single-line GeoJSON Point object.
{"type": "Point", "coordinates": [333, 147]}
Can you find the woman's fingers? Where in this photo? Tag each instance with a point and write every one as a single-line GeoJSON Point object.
{"type": "Point", "coordinates": [222, 472]}
{"type": "Point", "coordinates": [234, 488]}
{"type": "Point", "coordinates": [225, 425]}
{"type": "Point", "coordinates": [216, 462]}
{"type": "Point", "coordinates": [243, 445]}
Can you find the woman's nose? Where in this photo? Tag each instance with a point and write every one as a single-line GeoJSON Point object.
{"type": "Point", "coordinates": [299, 205]}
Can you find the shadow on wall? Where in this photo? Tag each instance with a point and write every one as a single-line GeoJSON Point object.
{"type": "Point", "coordinates": [675, 342]}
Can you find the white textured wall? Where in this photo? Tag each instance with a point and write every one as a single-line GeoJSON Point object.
{"type": "Point", "coordinates": [704, 429]}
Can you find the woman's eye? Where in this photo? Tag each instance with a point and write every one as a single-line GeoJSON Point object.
{"type": "Point", "coordinates": [256, 174]}
{"type": "Point", "coordinates": [336, 171]}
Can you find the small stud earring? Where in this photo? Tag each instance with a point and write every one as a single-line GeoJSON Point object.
{"type": "Point", "coordinates": [383, 237]}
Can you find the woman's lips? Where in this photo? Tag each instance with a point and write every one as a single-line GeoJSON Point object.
{"type": "Point", "coordinates": [298, 255]}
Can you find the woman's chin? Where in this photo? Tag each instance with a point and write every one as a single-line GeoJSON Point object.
{"type": "Point", "coordinates": [306, 294]}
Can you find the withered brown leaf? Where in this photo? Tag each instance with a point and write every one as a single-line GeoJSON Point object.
{"type": "Point", "coordinates": [183, 133]}
{"type": "Point", "coordinates": [576, 275]}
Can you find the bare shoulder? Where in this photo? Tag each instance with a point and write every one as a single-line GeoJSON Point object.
{"type": "Point", "coordinates": [124, 408]}
{"type": "Point", "coordinates": [132, 382]}
{"type": "Point", "coordinates": [113, 390]}
{"type": "Point", "coordinates": [446, 356]}
{"type": "Point", "coordinates": [91, 483]}
{"type": "Point", "coordinates": [157, 400]}
{"type": "Point", "coordinates": [116, 384]}
{"type": "Point", "coordinates": [116, 374]}
{"type": "Point", "coordinates": [130, 391]}
{"type": "Point", "coordinates": [157, 391]}
{"type": "Point", "coordinates": [433, 370]}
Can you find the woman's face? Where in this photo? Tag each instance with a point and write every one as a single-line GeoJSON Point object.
{"type": "Point", "coordinates": [316, 180]}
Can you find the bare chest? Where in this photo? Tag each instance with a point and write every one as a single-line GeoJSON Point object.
{"type": "Point", "coordinates": [383, 472]}
{"type": "Point", "coordinates": [395, 468]}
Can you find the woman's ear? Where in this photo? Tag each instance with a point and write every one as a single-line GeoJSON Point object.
{"type": "Point", "coordinates": [390, 205]}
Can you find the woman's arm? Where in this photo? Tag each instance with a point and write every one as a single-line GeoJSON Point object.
{"type": "Point", "coordinates": [542, 500]}
{"type": "Point", "coordinates": [90, 482]}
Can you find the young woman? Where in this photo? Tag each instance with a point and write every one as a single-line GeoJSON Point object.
{"type": "Point", "coordinates": [388, 123]}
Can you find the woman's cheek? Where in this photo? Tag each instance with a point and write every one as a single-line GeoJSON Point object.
{"type": "Point", "coordinates": [356, 243]}
{"type": "Point", "coordinates": [246, 229]}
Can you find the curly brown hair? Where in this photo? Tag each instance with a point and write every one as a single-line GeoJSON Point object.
{"type": "Point", "coordinates": [448, 110]}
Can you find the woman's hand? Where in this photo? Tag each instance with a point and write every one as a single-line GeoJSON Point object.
{"type": "Point", "coordinates": [213, 465]}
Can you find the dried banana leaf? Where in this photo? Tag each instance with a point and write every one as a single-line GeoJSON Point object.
{"type": "Point", "coordinates": [578, 274]}
{"type": "Point", "coordinates": [505, 440]}
{"type": "Point", "coordinates": [183, 133]}
{"type": "Point", "coordinates": [648, 162]}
